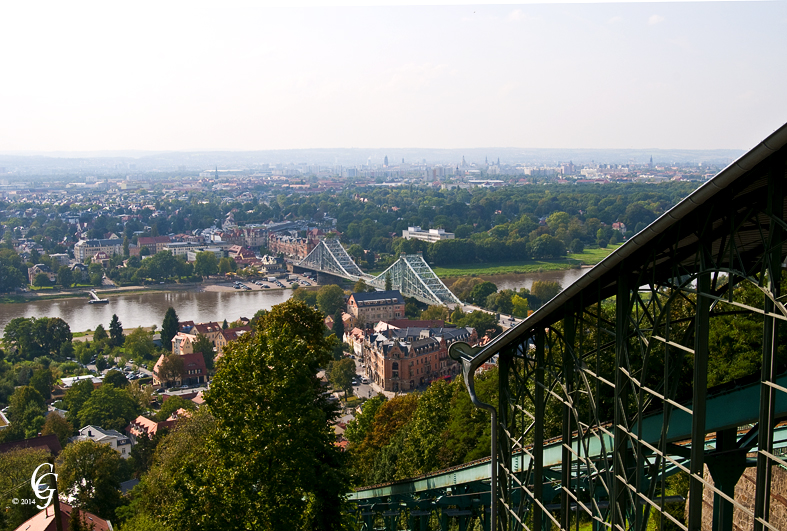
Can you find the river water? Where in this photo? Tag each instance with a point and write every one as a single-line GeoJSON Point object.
{"type": "Point", "coordinates": [147, 309]}
{"type": "Point", "coordinates": [516, 281]}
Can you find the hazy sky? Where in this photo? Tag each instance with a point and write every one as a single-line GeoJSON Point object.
{"type": "Point", "coordinates": [192, 76]}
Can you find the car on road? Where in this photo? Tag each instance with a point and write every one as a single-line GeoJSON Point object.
{"type": "Point", "coordinates": [365, 380]}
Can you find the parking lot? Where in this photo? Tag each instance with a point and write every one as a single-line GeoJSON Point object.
{"type": "Point", "coordinates": [275, 283]}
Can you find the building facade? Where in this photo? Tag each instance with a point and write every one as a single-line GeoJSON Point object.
{"type": "Point", "coordinates": [406, 359]}
{"type": "Point", "coordinates": [292, 246]}
{"type": "Point", "coordinates": [431, 235]}
{"type": "Point", "coordinates": [370, 307]}
{"type": "Point", "coordinates": [84, 249]}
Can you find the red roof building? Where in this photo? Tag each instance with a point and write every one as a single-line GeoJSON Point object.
{"type": "Point", "coordinates": [45, 520]}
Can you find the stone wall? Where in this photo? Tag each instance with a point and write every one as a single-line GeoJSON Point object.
{"type": "Point", "coordinates": [744, 494]}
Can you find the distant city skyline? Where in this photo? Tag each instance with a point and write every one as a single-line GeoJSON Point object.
{"type": "Point", "coordinates": [197, 77]}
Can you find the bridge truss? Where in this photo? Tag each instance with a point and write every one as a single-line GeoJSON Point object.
{"type": "Point", "coordinates": [411, 275]}
{"type": "Point", "coordinates": [615, 368]}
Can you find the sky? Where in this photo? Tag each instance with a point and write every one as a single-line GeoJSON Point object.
{"type": "Point", "coordinates": [81, 76]}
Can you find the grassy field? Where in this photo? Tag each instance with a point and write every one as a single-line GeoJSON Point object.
{"type": "Point", "coordinates": [588, 257]}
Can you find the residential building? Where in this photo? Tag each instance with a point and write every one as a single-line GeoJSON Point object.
{"type": "Point", "coordinates": [84, 249]}
{"type": "Point", "coordinates": [116, 440]}
{"type": "Point", "coordinates": [194, 371]}
{"type": "Point", "coordinates": [404, 359]}
{"type": "Point", "coordinates": [370, 307]}
{"type": "Point", "coordinates": [292, 246]}
{"type": "Point", "coordinates": [230, 334]}
{"type": "Point", "coordinates": [154, 244]}
{"type": "Point", "coordinates": [40, 268]}
{"type": "Point", "coordinates": [46, 520]}
{"type": "Point", "coordinates": [191, 255]}
{"type": "Point", "coordinates": [143, 426]}
{"type": "Point", "coordinates": [183, 343]}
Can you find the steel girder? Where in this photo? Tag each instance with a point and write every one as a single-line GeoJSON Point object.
{"type": "Point", "coordinates": [329, 256]}
{"type": "Point", "coordinates": [621, 360]}
{"type": "Point", "coordinates": [411, 275]}
{"type": "Point", "coordinates": [414, 278]}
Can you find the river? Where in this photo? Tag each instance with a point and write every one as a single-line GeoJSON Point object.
{"type": "Point", "coordinates": [147, 309]}
{"type": "Point", "coordinates": [516, 281]}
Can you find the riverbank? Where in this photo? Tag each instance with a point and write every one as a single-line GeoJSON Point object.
{"type": "Point", "coordinates": [589, 257]}
{"type": "Point", "coordinates": [108, 291]}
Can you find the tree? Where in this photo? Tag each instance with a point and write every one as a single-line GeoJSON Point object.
{"type": "Point", "coordinates": [342, 373]}
{"type": "Point", "coordinates": [360, 286]}
{"type": "Point", "coordinates": [171, 405]}
{"type": "Point", "coordinates": [481, 321]}
{"type": "Point", "coordinates": [57, 425]}
{"type": "Point", "coordinates": [305, 295]}
{"type": "Point", "coordinates": [125, 247]}
{"type": "Point", "coordinates": [388, 283]}
{"type": "Point", "coordinates": [101, 363]}
{"type": "Point", "coordinates": [75, 398]}
{"type": "Point", "coordinates": [436, 313]}
{"type": "Point", "coordinates": [480, 292]}
{"type": "Point", "coordinates": [100, 334]}
{"type": "Point", "coordinates": [169, 328]}
{"type": "Point", "coordinates": [330, 298]}
{"type": "Point", "coordinates": [10, 278]}
{"type": "Point", "coordinates": [547, 246]}
{"type": "Point", "coordinates": [42, 381]}
{"type": "Point", "coordinates": [362, 423]}
{"type": "Point", "coordinates": [54, 331]}
{"type": "Point", "coordinates": [204, 345]}
{"type": "Point", "coordinates": [16, 469]}
{"type": "Point", "coordinates": [206, 264]}
{"type": "Point", "coordinates": [227, 265]}
{"type": "Point", "coordinates": [520, 308]}
{"type": "Point", "coordinates": [545, 290]}
{"type": "Point", "coordinates": [115, 332]}
{"type": "Point", "coordinates": [139, 344]}
{"type": "Point", "coordinates": [27, 410]}
{"type": "Point", "coordinates": [41, 280]}
{"type": "Point", "coordinates": [338, 325]}
{"type": "Point", "coordinates": [171, 368]}
{"type": "Point", "coordinates": [108, 407]}
{"type": "Point", "coordinates": [88, 472]}
{"type": "Point", "coordinates": [175, 493]}
{"type": "Point", "coordinates": [577, 247]}
{"type": "Point", "coordinates": [64, 277]}
{"type": "Point", "coordinates": [116, 378]}
{"type": "Point", "coordinates": [276, 367]}
{"type": "Point", "coordinates": [224, 325]}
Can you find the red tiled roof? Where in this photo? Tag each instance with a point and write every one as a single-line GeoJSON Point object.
{"type": "Point", "coordinates": [45, 520]}
{"type": "Point", "coordinates": [48, 442]}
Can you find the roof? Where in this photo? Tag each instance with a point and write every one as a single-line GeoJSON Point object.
{"type": "Point", "coordinates": [404, 323]}
{"type": "Point", "coordinates": [152, 240]}
{"type": "Point", "coordinates": [47, 442]}
{"type": "Point", "coordinates": [45, 520]}
{"type": "Point", "coordinates": [207, 328]}
{"type": "Point", "coordinates": [378, 296]}
{"type": "Point", "coordinates": [731, 190]}
{"type": "Point", "coordinates": [100, 243]}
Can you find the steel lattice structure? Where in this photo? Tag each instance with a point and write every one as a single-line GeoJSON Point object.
{"type": "Point", "coordinates": [604, 390]}
{"type": "Point", "coordinates": [329, 256]}
{"type": "Point", "coordinates": [411, 275]}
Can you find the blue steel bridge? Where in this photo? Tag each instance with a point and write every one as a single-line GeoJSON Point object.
{"type": "Point", "coordinates": [615, 370]}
